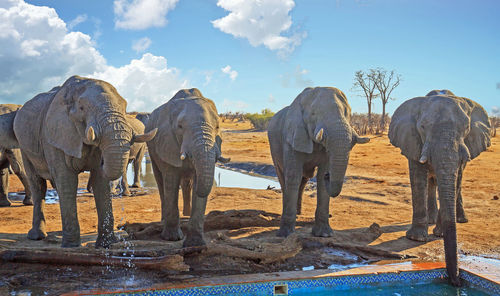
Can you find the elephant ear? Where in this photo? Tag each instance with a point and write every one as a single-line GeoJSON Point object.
{"type": "Point", "coordinates": [296, 130]}
{"type": "Point", "coordinates": [403, 131]}
{"type": "Point", "coordinates": [165, 141]}
{"type": "Point", "coordinates": [478, 139]}
{"type": "Point", "coordinates": [60, 130]}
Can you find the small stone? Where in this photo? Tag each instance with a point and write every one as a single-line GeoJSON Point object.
{"type": "Point", "coordinates": [495, 197]}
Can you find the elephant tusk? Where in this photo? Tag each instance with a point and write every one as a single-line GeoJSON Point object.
{"type": "Point", "coordinates": [425, 151]}
{"type": "Point", "coordinates": [319, 135]}
{"type": "Point", "coordinates": [183, 156]}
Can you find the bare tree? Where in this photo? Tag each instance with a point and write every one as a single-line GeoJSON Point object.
{"type": "Point", "coordinates": [385, 82]}
{"type": "Point", "coordinates": [364, 83]}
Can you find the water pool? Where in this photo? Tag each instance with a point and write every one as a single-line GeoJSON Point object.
{"type": "Point", "coordinates": [381, 282]}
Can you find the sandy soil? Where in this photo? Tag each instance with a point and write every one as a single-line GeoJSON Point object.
{"type": "Point", "coordinates": [369, 219]}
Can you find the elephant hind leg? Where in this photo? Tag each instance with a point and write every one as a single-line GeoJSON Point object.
{"type": "Point", "coordinates": [187, 189]}
{"type": "Point", "coordinates": [303, 183]}
{"type": "Point", "coordinates": [432, 209]}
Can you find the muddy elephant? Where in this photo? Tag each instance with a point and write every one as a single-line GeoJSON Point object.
{"type": "Point", "coordinates": [313, 132]}
{"type": "Point", "coordinates": [439, 134]}
{"type": "Point", "coordinates": [77, 127]}
{"type": "Point", "coordinates": [136, 155]}
{"type": "Point", "coordinates": [184, 153]}
{"type": "Point", "coordinates": [10, 156]}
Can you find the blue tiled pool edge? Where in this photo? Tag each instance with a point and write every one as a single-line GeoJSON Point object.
{"type": "Point", "coordinates": [341, 282]}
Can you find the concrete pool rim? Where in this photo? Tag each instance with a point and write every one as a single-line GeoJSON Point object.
{"type": "Point", "coordinates": [284, 282]}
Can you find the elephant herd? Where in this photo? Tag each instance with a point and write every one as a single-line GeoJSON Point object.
{"type": "Point", "coordinates": [83, 126]}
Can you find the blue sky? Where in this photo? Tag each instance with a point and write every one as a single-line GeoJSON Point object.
{"type": "Point", "coordinates": [274, 48]}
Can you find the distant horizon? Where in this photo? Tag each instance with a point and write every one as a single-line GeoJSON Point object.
{"type": "Point", "coordinates": [250, 55]}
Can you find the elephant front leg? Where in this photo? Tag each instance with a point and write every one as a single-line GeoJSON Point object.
{"type": "Point", "coordinates": [38, 188]}
{"type": "Point", "coordinates": [432, 209]}
{"type": "Point", "coordinates": [66, 182]}
{"type": "Point", "coordinates": [4, 187]}
{"type": "Point", "coordinates": [194, 235]}
{"type": "Point", "coordinates": [293, 177]}
{"type": "Point", "coordinates": [321, 226]}
{"type": "Point", "coordinates": [104, 205]}
{"type": "Point", "coordinates": [418, 180]}
{"type": "Point", "coordinates": [461, 217]}
{"type": "Point", "coordinates": [170, 205]}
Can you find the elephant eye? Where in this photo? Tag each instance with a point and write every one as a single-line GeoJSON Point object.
{"type": "Point", "coordinates": [179, 125]}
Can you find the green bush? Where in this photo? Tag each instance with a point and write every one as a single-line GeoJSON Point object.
{"type": "Point", "coordinates": [260, 120]}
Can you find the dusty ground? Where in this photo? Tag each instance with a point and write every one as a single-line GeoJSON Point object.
{"type": "Point", "coordinates": [377, 191]}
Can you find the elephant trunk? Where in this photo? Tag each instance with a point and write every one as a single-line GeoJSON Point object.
{"type": "Point", "coordinates": [115, 145]}
{"type": "Point", "coordinates": [338, 149]}
{"type": "Point", "coordinates": [204, 163]}
{"type": "Point", "coordinates": [446, 161]}
{"type": "Point", "coordinates": [115, 160]}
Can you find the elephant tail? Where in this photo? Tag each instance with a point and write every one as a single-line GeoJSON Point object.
{"type": "Point", "coordinates": [8, 139]}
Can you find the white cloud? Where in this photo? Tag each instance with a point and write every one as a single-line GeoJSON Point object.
{"type": "Point", "coordinates": [232, 73]}
{"type": "Point", "coordinates": [141, 45]}
{"type": "Point", "coordinates": [228, 105]}
{"type": "Point", "coordinates": [495, 111]}
{"type": "Point", "coordinates": [76, 21]}
{"type": "Point", "coordinates": [142, 14]}
{"type": "Point", "coordinates": [261, 22]}
{"type": "Point", "coordinates": [271, 99]}
{"type": "Point", "coordinates": [296, 78]}
{"type": "Point", "coordinates": [145, 83]}
{"type": "Point", "coordinates": [38, 52]}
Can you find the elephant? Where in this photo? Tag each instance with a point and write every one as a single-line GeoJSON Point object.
{"type": "Point", "coordinates": [314, 131]}
{"type": "Point", "coordinates": [136, 155]}
{"type": "Point", "coordinates": [10, 156]}
{"type": "Point", "coordinates": [79, 126]}
{"type": "Point", "coordinates": [439, 134]}
{"type": "Point", "coordinates": [184, 153]}
{"type": "Point", "coordinates": [143, 117]}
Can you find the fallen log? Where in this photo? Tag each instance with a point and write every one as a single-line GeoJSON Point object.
{"type": "Point", "coordinates": [168, 262]}
{"type": "Point", "coordinates": [269, 252]}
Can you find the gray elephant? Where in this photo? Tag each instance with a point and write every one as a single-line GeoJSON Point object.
{"type": "Point", "coordinates": [143, 117]}
{"type": "Point", "coordinates": [77, 127]}
{"type": "Point", "coordinates": [184, 153]}
{"type": "Point", "coordinates": [10, 156]}
{"type": "Point", "coordinates": [312, 132]}
{"type": "Point", "coordinates": [439, 134]}
{"type": "Point", "coordinates": [136, 155]}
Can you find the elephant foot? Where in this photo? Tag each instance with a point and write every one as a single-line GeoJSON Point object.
{"type": "Point", "coordinates": [105, 240]}
{"type": "Point", "coordinates": [437, 231]}
{"type": "Point", "coordinates": [126, 193]}
{"type": "Point", "coordinates": [36, 234]}
{"type": "Point", "coordinates": [194, 240]}
{"type": "Point", "coordinates": [70, 244]}
{"type": "Point", "coordinates": [322, 230]}
{"type": "Point", "coordinates": [28, 201]}
{"type": "Point", "coordinates": [172, 234]}
{"type": "Point", "coordinates": [186, 212]}
{"type": "Point", "coordinates": [136, 185]}
{"type": "Point", "coordinates": [4, 202]}
{"type": "Point", "coordinates": [285, 230]}
{"type": "Point", "coordinates": [417, 233]}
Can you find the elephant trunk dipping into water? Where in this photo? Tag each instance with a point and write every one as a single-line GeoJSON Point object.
{"type": "Point", "coordinates": [77, 127]}
{"type": "Point", "coordinates": [314, 131]}
{"type": "Point", "coordinates": [184, 154]}
{"type": "Point", "coordinates": [439, 134]}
